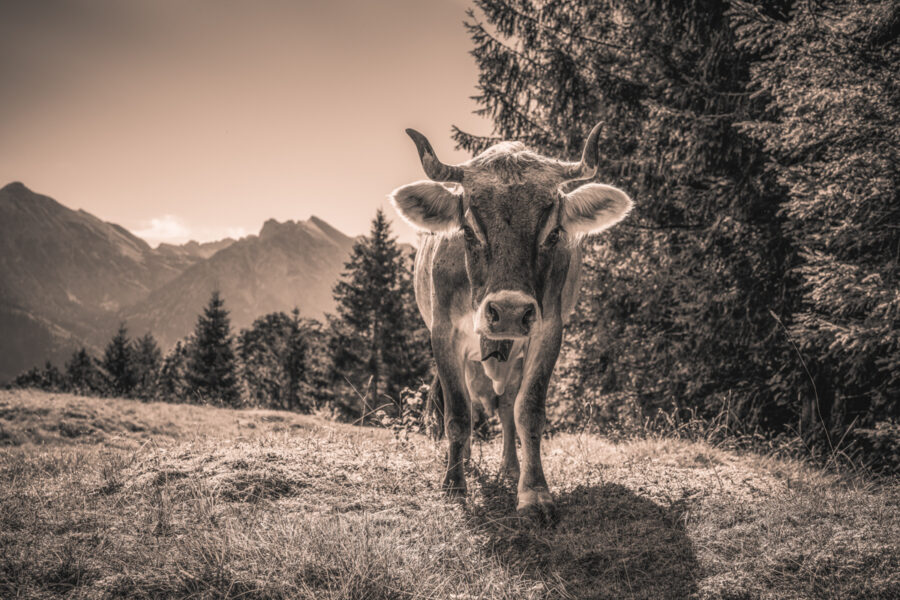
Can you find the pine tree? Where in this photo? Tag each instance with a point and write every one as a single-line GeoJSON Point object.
{"type": "Point", "coordinates": [211, 369]}
{"type": "Point", "coordinates": [147, 363]}
{"type": "Point", "coordinates": [29, 379]}
{"type": "Point", "coordinates": [828, 73]}
{"type": "Point", "coordinates": [82, 375]}
{"type": "Point", "coordinates": [373, 339]}
{"type": "Point", "coordinates": [173, 385]}
{"type": "Point", "coordinates": [118, 364]}
{"type": "Point", "coordinates": [296, 363]}
{"type": "Point", "coordinates": [276, 361]}
{"type": "Point", "coordinates": [51, 379]}
{"type": "Point", "coordinates": [675, 301]}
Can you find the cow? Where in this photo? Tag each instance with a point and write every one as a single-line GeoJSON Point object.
{"type": "Point", "coordinates": [496, 277]}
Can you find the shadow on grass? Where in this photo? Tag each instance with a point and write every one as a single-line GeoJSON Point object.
{"type": "Point", "coordinates": [608, 543]}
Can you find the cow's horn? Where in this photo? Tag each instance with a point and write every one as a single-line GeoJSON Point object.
{"type": "Point", "coordinates": [435, 169]}
{"type": "Point", "coordinates": [589, 157]}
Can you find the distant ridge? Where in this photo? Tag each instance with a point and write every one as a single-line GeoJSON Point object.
{"type": "Point", "coordinates": [194, 248]}
{"type": "Point", "coordinates": [67, 278]}
{"type": "Point", "coordinates": [288, 264]}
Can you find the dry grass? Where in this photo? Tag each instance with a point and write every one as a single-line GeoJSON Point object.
{"type": "Point", "coordinates": [112, 498]}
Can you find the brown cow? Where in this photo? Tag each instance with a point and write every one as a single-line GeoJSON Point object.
{"type": "Point", "coordinates": [497, 275]}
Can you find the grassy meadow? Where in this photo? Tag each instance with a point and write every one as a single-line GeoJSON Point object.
{"type": "Point", "coordinates": [105, 498]}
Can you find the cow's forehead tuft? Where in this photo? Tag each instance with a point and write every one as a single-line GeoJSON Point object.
{"type": "Point", "coordinates": [509, 153]}
{"type": "Point", "coordinates": [512, 162]}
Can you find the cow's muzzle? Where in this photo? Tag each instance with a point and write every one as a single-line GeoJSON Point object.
{"type": "Point", "coordinates": [507, 315]}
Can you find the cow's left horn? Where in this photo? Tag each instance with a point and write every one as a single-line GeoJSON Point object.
{"type": "Point", "coordinates": [590, 157]}
{"type": "Point", "coordinates": [435, 169]}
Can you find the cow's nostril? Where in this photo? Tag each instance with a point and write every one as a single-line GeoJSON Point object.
{"type": "Point", "coordinates": [493, 313]}
{"type": "Point", "coordinates": [528, 317]}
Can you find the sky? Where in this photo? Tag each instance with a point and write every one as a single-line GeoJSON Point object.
{"type": "Point", "coordinates": [200, 119]}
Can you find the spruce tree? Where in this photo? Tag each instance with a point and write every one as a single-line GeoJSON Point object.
{"type": "Point", "coordinates": [373, 343]}
{"type": "Point", "coordinates": [296, 362]}
{"type": "Point", "coordinates": [118, 364]}
{"type": "Point", "coordinates": [211, 368]}
{"type": "Point", "coordinates": [827, 72]}
{"type": "Point", "coordinates": [675, 301]}
{"type": "Point", "coordinates": [275, 358]}
{"type": "Point", "coordinates": [173, 385]}
{"type": "Point", "coordinates": [51, 379]}
{"type": "Point", "coordinates": [30, 379]}
{"type": "Point", "coordinates": [147, 363]}
{"type": "Point", "coordinates": [82, 375]}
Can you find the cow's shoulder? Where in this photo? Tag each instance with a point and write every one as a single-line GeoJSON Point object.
{"type": "Point", "coordinates": [441, 284]}
{"type": "Point", "coordinates": [441, 276]}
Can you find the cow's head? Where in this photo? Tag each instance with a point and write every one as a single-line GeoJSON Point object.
{"type": "Point", "coordinates": [520, 214]}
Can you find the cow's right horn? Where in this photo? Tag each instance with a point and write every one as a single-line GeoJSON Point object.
{"type": "Point", "coordinates": [435, 169]}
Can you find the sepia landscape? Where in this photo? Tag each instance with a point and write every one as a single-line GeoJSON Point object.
{"type": "Point", "coordinates": [469, 299]}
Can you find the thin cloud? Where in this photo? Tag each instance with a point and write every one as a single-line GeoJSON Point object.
{"type": "Point", "coordinates": [172, 229]}
{"type": "Point", "coordinates": [167, 228]}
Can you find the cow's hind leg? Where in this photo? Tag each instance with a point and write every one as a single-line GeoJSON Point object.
{"type": "Point", "coordinates": [434, 409]}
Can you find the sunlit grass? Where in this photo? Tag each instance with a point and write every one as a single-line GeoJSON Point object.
{"type": "Point", "coordinates": [181, 501]}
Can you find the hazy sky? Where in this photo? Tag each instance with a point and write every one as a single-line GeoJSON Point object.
{"type": "Point", "coordinates": [183, 119]}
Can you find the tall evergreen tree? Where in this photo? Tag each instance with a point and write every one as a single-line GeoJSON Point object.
{"type": "Point", "coordinates": [211, 366]}
{"type": "Point", "coordinates": [675, 301]}
{"type": "Point", "coordinates": [829, 74]}
{"type": "Point", "coordinates": [173, 382]}
{"type": "Point", "coordinates": [276, 361]}
{"type": "Point", "coordinates": [118, 363]}
{"type": "Point", "coordinates": [373, 338]}
{"type": "Point", "coordinates": [51, 378]}
{"type": "Point", "coordinates": [82, 374]}
{"type": "Point", "coordinates": [147, 363]}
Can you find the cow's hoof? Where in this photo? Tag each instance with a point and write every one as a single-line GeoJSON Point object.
{"type": "Point", "coordinates": [454, 488]}
{"type": "Point", "coordinates": [537, 507]}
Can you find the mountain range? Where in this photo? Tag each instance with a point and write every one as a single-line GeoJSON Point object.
{"type": "Point", "coordinates": [67, 278]}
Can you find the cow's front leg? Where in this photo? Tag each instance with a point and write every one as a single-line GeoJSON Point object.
{"type": "Point", "coordinates": [457, 414]}
{"type": "Point", "coordinates": [509, 463]}
{"type": "Point", "coordinates": [534, 499]}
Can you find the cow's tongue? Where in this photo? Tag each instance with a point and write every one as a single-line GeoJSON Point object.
{"type": "Point", "coordinates": [498, 349]}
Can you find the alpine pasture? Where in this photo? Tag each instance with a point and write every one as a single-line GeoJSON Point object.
{"type": "Point", "coordinates": [111, 498]}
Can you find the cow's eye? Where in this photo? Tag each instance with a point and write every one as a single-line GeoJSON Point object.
{"type": "Point", "coordinates": [552, 238]}
{"type": "Point", "coordinates": [470, 236]}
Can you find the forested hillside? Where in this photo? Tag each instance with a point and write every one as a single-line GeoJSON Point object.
{"type": "Point", "coordinates": [67, 278]}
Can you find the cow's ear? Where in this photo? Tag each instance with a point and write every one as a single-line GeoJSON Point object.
{"type": "Point", "coordinates": [429, 205]}
{"type": "Point", "coordinates": [594, 207]}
